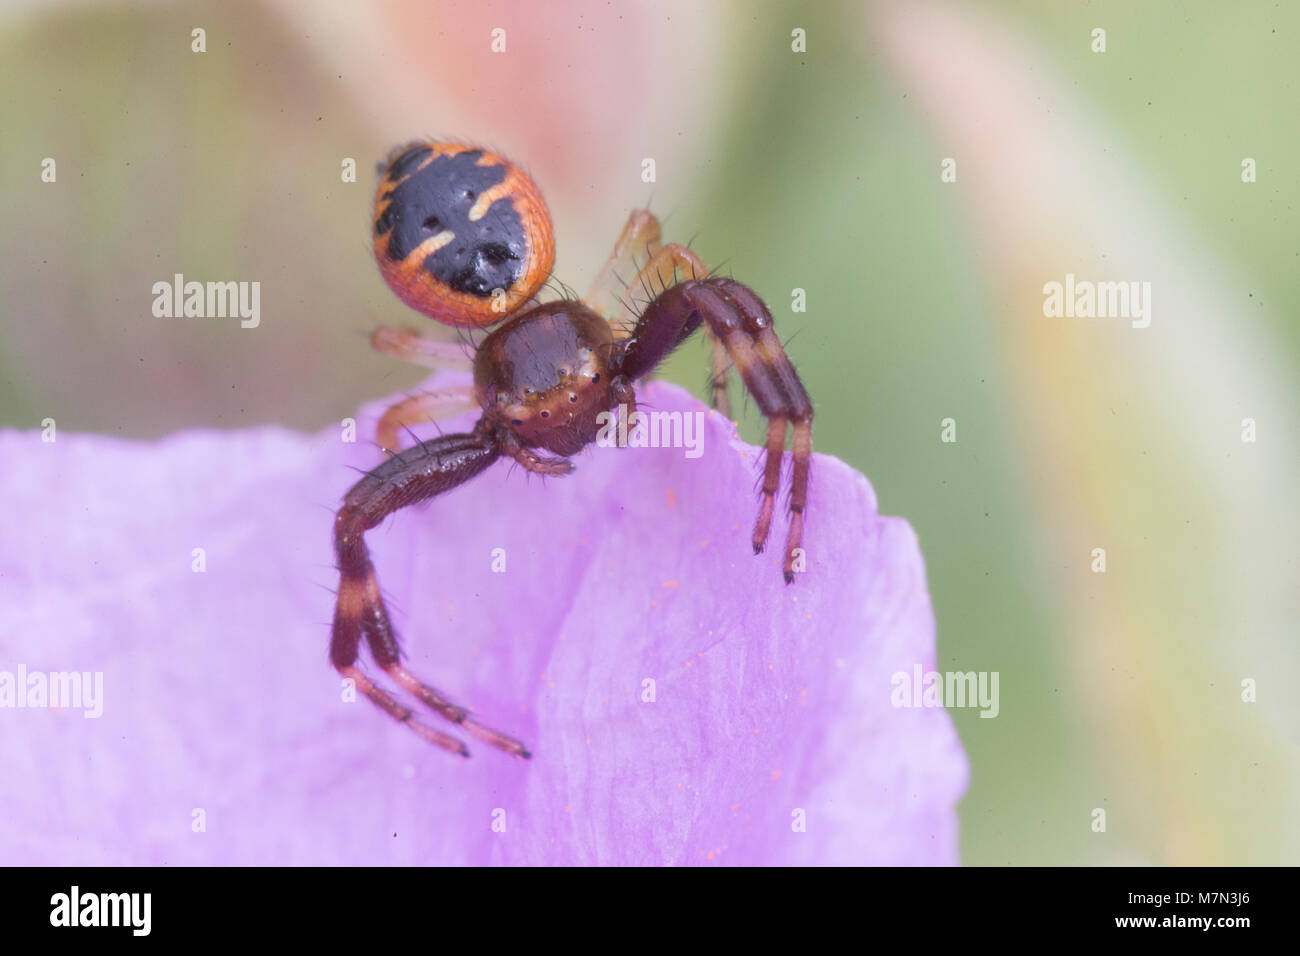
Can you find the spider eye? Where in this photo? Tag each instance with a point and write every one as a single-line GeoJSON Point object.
{"type": "Point", "coordinates": [595, 378]}
{"type": "Point", "coordinates": [516, 421]}
{"type": "Point", "coordinates": [546, 414]}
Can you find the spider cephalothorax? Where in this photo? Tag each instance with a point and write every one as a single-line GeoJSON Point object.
{"type": "Point", "coordinates": [546, 375]}
{"type": "Point", "coordinates": [464, 236]}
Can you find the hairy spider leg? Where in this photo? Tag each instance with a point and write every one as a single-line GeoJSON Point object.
{"type": "Point", "coordinates": [653, 268]}
{"type": "Point", "coordinates": [420, 409]}
{"type": "Point", "coordinates": [411, 345]}
{"type": "Point", "coordinates": [740, 320]}
{"type": "Point", "coordinates": [421, 472]}
{"type": "Point", "coordinates": [636, 244]}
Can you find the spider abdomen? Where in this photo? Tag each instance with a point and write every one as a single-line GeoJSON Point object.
{"type": "Point", "coordinates": [460, 233]}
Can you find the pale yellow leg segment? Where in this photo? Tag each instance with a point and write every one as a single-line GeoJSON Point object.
{"type": "Point", "coordinates": [661, 273]}
{"type": "Point", "coordinates": [636, 244]}
{"type": "Point", "coordinates": [410, 345]}
{"type": "Point", "coordinates": [420, 410]}
{"type": "Point", "coordinates": [653, 268]}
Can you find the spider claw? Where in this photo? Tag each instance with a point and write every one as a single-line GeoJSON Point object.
{"type": "Point", "coordinates": [496, 739]}
{"type": "Point", "coordinates": [763, 525]}
{"type": "Point", "coordinates": [437, 738]}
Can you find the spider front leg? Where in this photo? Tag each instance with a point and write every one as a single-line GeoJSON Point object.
{"type": "Point", "coordinates": [419, 473]}
{"type": "Point", "coordinates": [742, 323]}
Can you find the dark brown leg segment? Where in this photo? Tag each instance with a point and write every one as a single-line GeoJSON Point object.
{"type": "Point", "coordinates": [420, 472]}
{"type": "Point", "coordinates": [741, 322]}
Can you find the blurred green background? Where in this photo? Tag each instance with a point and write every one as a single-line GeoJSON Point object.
{"type": "Point", "coordinates": [816, 170]}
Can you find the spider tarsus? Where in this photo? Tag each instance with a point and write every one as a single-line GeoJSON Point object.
{"type": "Point", "coordinates": [436, 738]}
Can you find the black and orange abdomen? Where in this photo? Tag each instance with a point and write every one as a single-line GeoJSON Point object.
{"type": "Point", "coordinates": [461, 234]}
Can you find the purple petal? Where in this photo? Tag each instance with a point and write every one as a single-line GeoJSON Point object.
{"type": "Point", "coordinates": [771, 703]}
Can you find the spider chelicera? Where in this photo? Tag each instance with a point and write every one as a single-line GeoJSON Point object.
{"type": "Point", "coordinates": [463, 235]}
